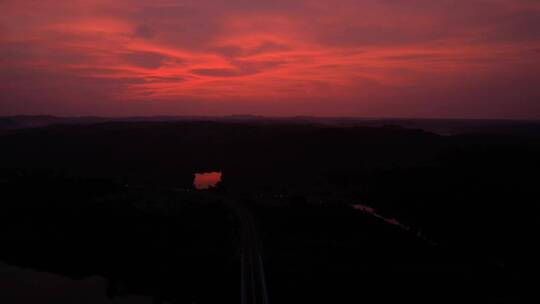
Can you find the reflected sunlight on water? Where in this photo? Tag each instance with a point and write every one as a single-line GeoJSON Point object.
{"type": "Point", "coordinates": [373, 212]}
{"type": "Point", "coordinates": [206, 180]}
{"type": "Point", "coordinates": [392, 221]}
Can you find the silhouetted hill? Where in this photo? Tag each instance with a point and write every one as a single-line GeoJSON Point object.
{"type": "Point", "coordinates": [529, 128]}
{"type": "Point", "coordinates": [460, 211]}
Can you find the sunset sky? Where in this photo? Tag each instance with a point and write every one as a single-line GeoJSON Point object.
{"type": "Point", "coordinates": [372, 58]}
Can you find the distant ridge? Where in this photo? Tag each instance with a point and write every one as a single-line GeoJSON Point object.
{"type": "Point", "coordinates": [439, 126]}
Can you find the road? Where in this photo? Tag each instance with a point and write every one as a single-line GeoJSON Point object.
{"type": "Point", "coordinates": [253, 281]}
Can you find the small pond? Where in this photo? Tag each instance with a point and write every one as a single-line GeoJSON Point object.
{"type": "Point", "coordinates": [206, 180]}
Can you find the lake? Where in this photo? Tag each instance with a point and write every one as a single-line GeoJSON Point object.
{"type": "Point", "coordinates": [206, 180]}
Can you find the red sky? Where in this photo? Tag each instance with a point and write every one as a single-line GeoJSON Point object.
{"type": "Point", "coordinates": [372, 58]}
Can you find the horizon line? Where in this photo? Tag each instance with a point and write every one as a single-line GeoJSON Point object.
{"type": "Point", "coordinates": [255, 117]}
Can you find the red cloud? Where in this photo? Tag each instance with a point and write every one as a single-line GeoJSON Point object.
{"type": "Point", "coordinates": [368, 58]}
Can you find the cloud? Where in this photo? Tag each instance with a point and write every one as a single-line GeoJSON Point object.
{"type": "Point", "coordinates": [380, 57]}
{"type": "Point", "coordinates": [147, 60]}
{"type": "Point", "coordinates": [420, 57]}
{"type": "Point", "coordinates": [166, 79]}
{"type": "Point", "coordinates": [241, 68]}
{"type": "Point", "coordinates": [219, 72]}
{"type": "Point", "coordinates": [264, 47]}
{"type": "Point", "coordinates": [145, 31]}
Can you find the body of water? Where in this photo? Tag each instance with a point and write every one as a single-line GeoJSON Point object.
{"type": "Point", "coordinates": [206, 180]}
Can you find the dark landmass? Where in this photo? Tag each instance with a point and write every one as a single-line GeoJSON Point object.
{"type": "Point", "coordinates": [439, 126]}
{"type": "Point", "coordinates": [456, 206]}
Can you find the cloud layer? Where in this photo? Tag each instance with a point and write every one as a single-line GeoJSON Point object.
{"type": "Point", "coordinates": [449, 58]}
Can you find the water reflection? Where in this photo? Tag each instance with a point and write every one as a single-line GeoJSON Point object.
{"type": "Point", "coordinates": [392, 221]}
{"type": "Point", "coordinates": [373, 212]}
{"type": "Point", "coordinates": [206, 180]}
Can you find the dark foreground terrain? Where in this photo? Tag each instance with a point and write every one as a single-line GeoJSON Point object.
{"type": "Point", "coordinates": [306, 212]}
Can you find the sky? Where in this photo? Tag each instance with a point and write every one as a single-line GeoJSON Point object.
{"type": "Point", "coordinates": [371, 58]}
